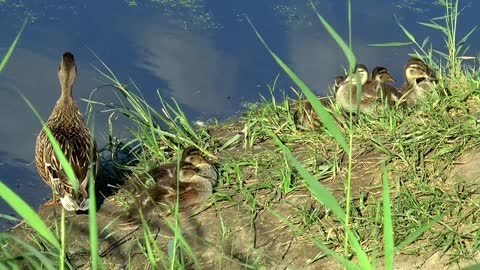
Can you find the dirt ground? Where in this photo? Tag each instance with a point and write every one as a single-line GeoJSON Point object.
{"type": "Point", "coordinates": [224, 235]}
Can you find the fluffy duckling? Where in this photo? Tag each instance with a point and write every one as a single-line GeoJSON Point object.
{"type": "Point", "coordinates": [349, 85]}
{"type": "Point", "coordinates": [67, 126]}
{"type": "Point", "coordinates": [373, 90]}
{"type": "Point", "coordinates": [196, 179]}
{"type": "Point", "coordinates": [381, 77]}
{"type": "Point", "coordinates": [338, 81]}
{"type": "Point", "coordinates": [419, 81]}
{"type": "Point", "coordinates": [305, 115]}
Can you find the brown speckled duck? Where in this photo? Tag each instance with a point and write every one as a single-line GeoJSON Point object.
{"type": "Point", "coordinates": [419, 81]}
{"type": "Point", "coordinates": [67, 126]}
{"type": "Point", "coordinates": [196, 180]}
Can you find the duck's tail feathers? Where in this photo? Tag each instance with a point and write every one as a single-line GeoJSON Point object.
{"type": "Point", "coordinates": [70, 204]}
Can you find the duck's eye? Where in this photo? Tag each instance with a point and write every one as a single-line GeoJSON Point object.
{"type": "Point", "coordinates": [59, 66]}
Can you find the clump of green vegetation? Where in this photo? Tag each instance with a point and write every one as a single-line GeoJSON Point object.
{"type": "Point", "coordinates": [370, 187]}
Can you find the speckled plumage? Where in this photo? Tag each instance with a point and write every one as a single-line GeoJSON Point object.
{"type": "Point", "coordinates": [419, 81]}
{"type": "Point", "coordinates": [197, 177]}
{"type": "Point", "coordinates": [67, 126]}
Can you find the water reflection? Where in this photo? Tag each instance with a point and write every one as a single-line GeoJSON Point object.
{"type": "Point", "coordinates": [201, 52]}
{"type": "Point", "coordinates": [200, 76]}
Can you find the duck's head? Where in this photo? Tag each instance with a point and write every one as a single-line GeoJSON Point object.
{"type": "Point", "coordinates": [193, 156]}
{"type": "Point", "coordinates": [362, 73]}
{"type": "Point", "coordinates": [338, 81]}
{"type": "Point", "coordinates": [67, 70]}
{"type": "Point", "coordinates": [381, 75]}
{"type": "Point", "coordinates": [416, 69]}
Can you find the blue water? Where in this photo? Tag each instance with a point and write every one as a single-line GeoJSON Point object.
{"type": "Point", "coordinates": [203, 54]}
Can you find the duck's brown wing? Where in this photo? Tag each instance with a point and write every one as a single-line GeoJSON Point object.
{"type": "Point", "coordinates": [305, 115]}
{"type": "Point", "coordinates": [167, 170]}
{"type": "Point", "coordinates": [193, 194]}
{"type": "Point", "coordinates": [79, 150]}
{"type": "Point", "coordinates": [404, 88]}
{"type": "Point", "coordinates": [390, 94]}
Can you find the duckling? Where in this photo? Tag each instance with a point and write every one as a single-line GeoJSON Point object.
{"type": "Point", "coordinates": [419, 81]}
{"type": "Point", "coordinates": [383, 90]}
{"type": "Point", "coordinates": [373, 90]}
{"type": "Point", "coordinates": [305, 115]}
{"type": "Point", "coordinates": [349, 85]}
{"type": "Point", "coordinates": [338, 81]}
{"type": "Point", "coordinates": [67, 126]}
{"type": "Point", "coordinates": [196, 179]}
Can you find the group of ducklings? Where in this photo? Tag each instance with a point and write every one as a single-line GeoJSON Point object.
{"type": "Point", "coordinates": [196, 176]}
{"type": "Point", "coordinates": [419, 80]}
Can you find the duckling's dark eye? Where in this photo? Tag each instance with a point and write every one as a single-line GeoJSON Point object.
{"type": "Point", "coordinates": [59, 67]}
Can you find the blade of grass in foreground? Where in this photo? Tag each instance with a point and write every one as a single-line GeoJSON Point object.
{"type": "Point", "coordinates": [30, 216]}
{"type": "Point", "coordinates": [326, 198]}
{"type": "Point", "coordinates": [46, 263]}
{"type": "Point", "coordinates": [56, 147]}
{"type": "Point", "coordinates": [346, 262]}
{"type": "Point", "coordinates": [391, 44]}
{"type": "Point", "coordinates": [389, 248]}
{"type": "Point", "coordinates": [416, 234]}
{"type": "Point", "coordinates": [345, 48]}
{"type": "Point", "coordinates": [92, 215]}
{"type": "Point", "coordinates": [325, 116]}
{"type": "Point", "coordinates": [12, 47]}
{"type": "Point", "coordinates": [62, 240]}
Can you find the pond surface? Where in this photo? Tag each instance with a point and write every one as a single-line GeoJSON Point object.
{"type": "Point", "coordinates": [201, 52]}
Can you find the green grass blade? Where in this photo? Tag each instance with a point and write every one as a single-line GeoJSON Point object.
{"type": "Point", "coordinates": [12, 47]}
{"type": "Point", "coordinates": [62, 241]}
{"type": "Point", "coordinates": [464, 39]}
{"type": "Point", "coordinates": [30, 216]}
{"type": "Point", "coordinates": [345, 48]}
{"type": "Point", "coordinates": [408, 34]}
{"type": "Point", "coordinates": [391, 44]}
{"type": "Point", "coordinates": [325, 197]}
{"type": "Point", "coordinates": [472, 267]}
{"type": "Point", "coordinates": [416, 234]}
{"type": "Point", "coordinates": [46, 263]}
{"type": "Point", "coordinates": [325, 117]}
{"type": "Point", "coordinates": [389, 246]}
{"type": "Point", "coordinates": [56, 147]}
{"type": "Point", "coordinates": [435, 26]}
{"type": "Point", "coordinates": [425, 41]}
{"type": "Point", "coordinates": [9, 218]}
{"type": "Point", "coordinates": [149, 242]}
{"type": "Point", "coordinates": [92, 217]}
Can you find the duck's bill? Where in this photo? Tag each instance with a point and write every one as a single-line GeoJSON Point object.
{"type": "Point", "coordinates": [390, 79]}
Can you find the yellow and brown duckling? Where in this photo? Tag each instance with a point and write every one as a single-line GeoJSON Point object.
{"type": "Point", "coordinates": [67, 126]}
{"type": "Point", "coordinates": [196, 178]}
{"type": "Point", "coordinates": [305, 115]}
{"type": "Point", "coordinates": [348, 88]}
{"type": "Point", "coordinates": [381, 77]}
{"type": "Point", "coordinates": [338, 81]}
{"type": "Point", "coordinates": [419, 81]}
{"type": "Point", "coordinates": [373, 90]}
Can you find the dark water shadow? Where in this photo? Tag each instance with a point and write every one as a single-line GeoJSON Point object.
{"type": "Point", "coordinates": [115, 158]}
{"type": "Point", "coordinates": [22, 179]}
